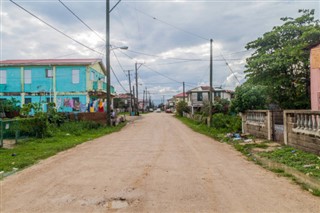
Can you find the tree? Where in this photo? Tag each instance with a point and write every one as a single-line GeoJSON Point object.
{"type": "Point", "coordinates": [249, 97]}
{"type": "Point", "coordinates": [281, 60]}
{"type": "Point", "coordinates": [181, 107]}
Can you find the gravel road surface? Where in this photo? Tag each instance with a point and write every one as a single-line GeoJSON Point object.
{"type": "Point", "coordinates": [155, 164]}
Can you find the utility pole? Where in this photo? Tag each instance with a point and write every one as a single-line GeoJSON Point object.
{"type": "Point", "coordinates": [137, 104]}
{"type": "Point", "coordinates": [108, 63]}
{"type": "Point", "coordinates": [210, 93]}
{"type": "Point", "coordinates": [143, 101]}
{"type": "Point", "coordinates": [137, 92]}
{"type": "Point", "coordinates": [130, 91]}
{"type": "Point", "coordinates": [184, 99]}
{"type": "Point", "coordinates": [134, 99]}
{"type": "Point", "coordinates": [147, 98]}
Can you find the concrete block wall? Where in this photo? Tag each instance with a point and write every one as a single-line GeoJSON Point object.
{"type": "Point", "coordinates": [99, 117]}
{"type": "Point", "coordinates": [306, 141]}
{"type": "Point", "coordinates": [255, 128]}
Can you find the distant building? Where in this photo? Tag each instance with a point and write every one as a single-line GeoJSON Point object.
{"type": "Point", "coordinates": [72, 84]}
{"type": "Point", "coordinates": [199, 95]}
{"type": "Point", "coordinates": [123, 102]}
{"type": "Point", "coordinates": [179, 97]}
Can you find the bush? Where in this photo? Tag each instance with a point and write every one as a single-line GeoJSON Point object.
{"type": "Point", "coordinates": [32, 127]}
{"type": "Point", "coordinates": [181, 107]}
{"type": "Point", "coordinates": [229, 123]}
{"type": "Point", "coordinates": [76, 128]}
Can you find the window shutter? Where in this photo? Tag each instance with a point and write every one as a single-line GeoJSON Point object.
{"type": "Point", "coordinates": [27, 77]}
{"type": "Point", "coordinates": [75, 77]}
{"type": "Point", "coordinates": [3, 76]}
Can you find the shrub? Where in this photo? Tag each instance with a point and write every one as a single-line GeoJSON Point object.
{"type": "Point", "coordinates": [230, 123]}
{"type": "Point", "coordinates": [181, 107]}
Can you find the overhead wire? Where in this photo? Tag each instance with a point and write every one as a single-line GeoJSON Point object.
{"type": "Point", "coordinates": [51, 26]}
{"type": "Point", "coordinates": [82, 21]}
{"type": "Point", "coordinates": [118, 79]}
{"type": "Point", "coordinates": [119, 63]}
{"type": "Point", "coordinates": [171, 25]}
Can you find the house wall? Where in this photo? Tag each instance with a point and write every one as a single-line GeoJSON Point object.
{"type": "Point", "coordinates": [58, 88]}
{"type": "Point", "coordinates": [13, 83]}
{"type": "Point", "coordinates": [315, 77]}
{"type": "Point", "coordinates": [64, 79]}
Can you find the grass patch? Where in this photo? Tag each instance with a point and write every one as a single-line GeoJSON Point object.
{"type": "Point", "coordinates": [29, 151]}
{"type": "Point", "coordinates": [304, 162]}
{"type": "Point", "coordinates": [218, 134]}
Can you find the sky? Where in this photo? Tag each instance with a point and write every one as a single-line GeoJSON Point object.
{"type": "Point", "coordinates": [169, 39]}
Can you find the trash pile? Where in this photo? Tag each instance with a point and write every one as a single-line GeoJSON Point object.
{"type": "Point", "coordinates": [238, 136]}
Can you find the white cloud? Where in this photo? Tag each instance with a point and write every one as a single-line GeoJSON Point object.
{"type": "Point", "coordinates": [176, 29]}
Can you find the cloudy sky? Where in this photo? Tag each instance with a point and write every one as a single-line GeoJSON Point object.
{"type": "Point", "coordinates": [171, 38]}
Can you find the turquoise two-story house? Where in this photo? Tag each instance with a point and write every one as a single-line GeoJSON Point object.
{"type": "Point", "coordinates": [72, 84]}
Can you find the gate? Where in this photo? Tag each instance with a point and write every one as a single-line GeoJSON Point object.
{"type": "Point", "coordinates": [277, 125]}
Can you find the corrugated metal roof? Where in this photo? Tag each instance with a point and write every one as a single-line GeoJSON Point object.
{"type": "Point", "coordinates": [53, 62]}
{"type": "Point", "coordinates": [87, 61]}
{"type": "Point", "coordinates": [180, 95]}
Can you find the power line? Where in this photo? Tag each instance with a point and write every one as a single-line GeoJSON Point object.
{"type": "Point", "coordinates": [230, 69]}
{"type": "Point", "coordinates": [161, 74]}
{"type": "Point", "coordinates": [119, 63]}
{"type": "Point", "coordinates": [49, 25]}
{"type": "Point", "coordinates": [184, 59]}
{"type": "Point", "coordinates": [114, 6]}
{"type": "Point", "coordinates": [171, 25]}
{"type": "Point", "coordinates": [82, 21]}
{"type": "Point", "coordinates": [118, 79]}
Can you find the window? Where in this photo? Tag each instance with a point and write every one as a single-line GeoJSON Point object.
{"type": "Point", "coordinates": [92, 76]}
{"type": "Point", "coordinates": [49, 100]}
{"type": "Point", "coordinates": [76, 104]}
{"type": "Point", "coordinates": [27, 100]}
{"type": "Point", "coordinates": [75, 77]}
{"type": "Point", "coordinates": [217, 94]}
{"type": "Point", "coordinates": [3, 77]}
{"type": "Point", "coordinates": [49, 73]}
{"type": "Point", "coordinates": [199, 96]}
{"type": "Point", "coordinates": [27, 77]}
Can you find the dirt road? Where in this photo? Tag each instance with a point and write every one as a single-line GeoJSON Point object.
{"type": "Point", "coordinates": [155, 164]}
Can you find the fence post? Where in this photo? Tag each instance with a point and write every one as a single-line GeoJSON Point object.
{"type": "Point", "coordinates": [285, 128]}
{"type": "Point", "coordinates": [1, 133]}
{"type": "Point", "coordinates": [270, 124]}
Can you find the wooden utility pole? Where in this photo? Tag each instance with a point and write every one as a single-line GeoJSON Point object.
{"type": "Point", "coordinates": [130, 91]}
{"type": "Point", "coordinates": [143, 101]}
{"type": "Point", "coordinates": [108, 63]}
{"type": "Point", "coordinates": [137, 104]}
{"type": "Point", "coordinates": [210, 93]}
{"type": "Point", "coordinates": [184, 99]}
{"type": "Point", "coordinates": [134, 99]}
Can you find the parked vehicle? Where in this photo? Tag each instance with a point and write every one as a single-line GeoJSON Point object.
{"type": "Point", "coordinates": [150, 110]}
{"type": "Point", "coordinates": [158, 110]}
{"type": "Point", "coordinates": [168, 110]}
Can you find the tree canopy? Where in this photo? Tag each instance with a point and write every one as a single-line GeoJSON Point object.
{"type": "Point", "coordinates": [248, 96]}
{"type": "Point", "coordinates": [280, 61]}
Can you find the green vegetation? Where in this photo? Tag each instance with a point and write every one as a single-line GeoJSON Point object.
{"type": "Point", "coordinates": [69, 134]}
{"type": "Point", "coordinates": [181, 107]}
{"type": "Point", "coordinates": [249, 96]}
{"type": "Point", "coordinates": [304, 162]}
{"type": "Point", "coordinates": [280, 61]}
{"type": "Point", "coordinates": [223, 124]}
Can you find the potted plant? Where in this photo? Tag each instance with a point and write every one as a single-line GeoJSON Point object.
{"type": "Point", "coordinates": [10, 107]}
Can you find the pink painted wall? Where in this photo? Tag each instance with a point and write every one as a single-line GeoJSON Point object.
{"type": "Point", "coordinates": [315, 77]}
